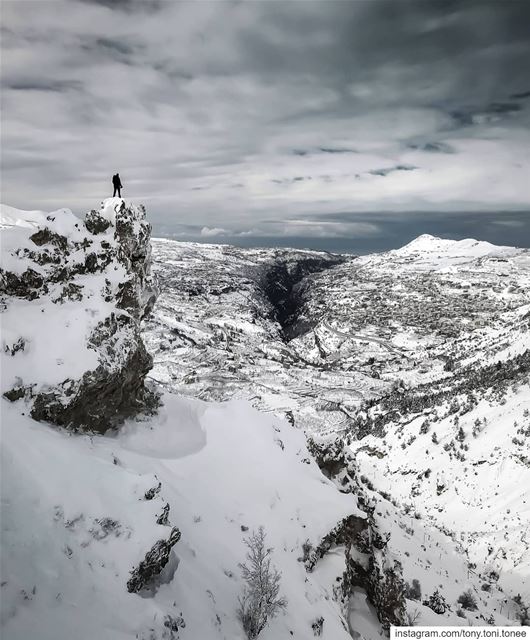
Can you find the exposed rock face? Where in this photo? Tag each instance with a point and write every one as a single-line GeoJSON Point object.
{"type": "Point", "coordinates": [100, 271]}
{"type": "Point", "coordinates": [368, 564]}
{"type": "Point", "coordinates": [352, 530]}
{"type": "Point", "coordinates": [331, 457]}
{"type": "Point", "coordinates": [151, 566]}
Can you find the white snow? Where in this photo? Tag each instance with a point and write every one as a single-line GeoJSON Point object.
{"type": "Point", "coordinates": [12, 217]}
{"type": "Point", "coordinates": [221, 467]}
{"type": "Point", "coordinates": [75, 519]}
{"type": "Point", "coordinates": [55, 335]}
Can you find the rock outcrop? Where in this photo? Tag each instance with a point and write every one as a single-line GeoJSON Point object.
{"type": "Point", "coordinates": [86, 286]}
{"type": "Point", "coordinates": [369, 566]}
{"type": "Point", "coordinates": [144, 576]}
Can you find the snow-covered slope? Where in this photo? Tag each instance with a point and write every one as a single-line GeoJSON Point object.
{"type": "Point", "coordinates": [11, 217]}
{"type": "Point", "coordinates": [462, 466]}
{"type": "Point", "coordinates": [436, 249]}
{"type": "Point", "coordinates": [76, 522]}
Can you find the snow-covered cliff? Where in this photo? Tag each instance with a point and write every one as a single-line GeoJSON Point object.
{"type": "Point", "coordinates": [73, 294]}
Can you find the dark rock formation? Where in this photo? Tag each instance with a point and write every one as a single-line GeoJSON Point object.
{"type": "Point", "coordinates": [152, 492]}
{"type": "Point", "coordinates": [143, 576]}
{"type": "Point", "coordinates": [114, 242]}
{"type": "Point", "coordinates": [26, 285]}
{"type": "Point", "coordinates": [46, 236]}
{"type": "Point", "coordinates": [96, 223]}
{"type": "Point", "coordinates": [16, 393]}
{"type": "Point", "coordinates": [163, 518]}
{"type": "Point", "coordinates": [367, 567]}
{"type": "Point", "coordinates": [351, 530]}
{"type": "Point", "coordinates": [103, 398]}
{"type": "Point", "coordinates": [331, 457]}
{"type": "Point", "coordinates": [367, 564]}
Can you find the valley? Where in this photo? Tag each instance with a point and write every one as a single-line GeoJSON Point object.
{"type": "Point", "coordinates": [371, 413]}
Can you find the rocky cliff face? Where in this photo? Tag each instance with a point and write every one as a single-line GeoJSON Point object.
{"type": "Point", "coordinates": [73, 295]}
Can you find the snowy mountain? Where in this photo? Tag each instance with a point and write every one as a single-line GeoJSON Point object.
{"type": "Point", "coordinates": [255, 323]}
{"type": "Point", "coordinates": [372, 414]}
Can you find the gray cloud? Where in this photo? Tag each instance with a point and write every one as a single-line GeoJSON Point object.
{"type": "Point", "coordinates": [305, 152]}
{"type": "Point", "coordinates": [57, 86]}
{"type": "Point", "coordinates": [301, 109]}
{"type": "Point", "coordinates": [117, 49]}
{"type": "Point", "coordinates": [432, 147]}
{"type": "Point", "coordinates": [520, 96]}
{"type": "Point", "coordinates": [129, 6]}
{"type": "Point", "coordinates": [386, 171]}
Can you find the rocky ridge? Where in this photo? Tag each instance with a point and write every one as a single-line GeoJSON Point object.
{"type": "Point", "coordinates": [88, 286]}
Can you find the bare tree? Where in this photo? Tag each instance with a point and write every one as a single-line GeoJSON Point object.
{"type": "Point", "coordinates": [260, 599]}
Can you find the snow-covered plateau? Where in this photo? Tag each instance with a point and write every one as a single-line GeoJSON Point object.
{"type": "Point", "coordinates": [162, 401]}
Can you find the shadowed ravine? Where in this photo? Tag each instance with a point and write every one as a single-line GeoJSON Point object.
{"type": "Point", "coordinates": [284, 284]}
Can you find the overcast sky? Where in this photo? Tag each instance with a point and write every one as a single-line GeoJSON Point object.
{"type": "Point", "coordinates": [343, 125]}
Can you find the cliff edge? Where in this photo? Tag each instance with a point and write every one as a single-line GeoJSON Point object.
{"type": "Point", "coordinates": [73, 294]}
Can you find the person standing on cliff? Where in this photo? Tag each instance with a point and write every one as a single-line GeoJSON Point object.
{"type": "Point", "coordinates": [117, 185]}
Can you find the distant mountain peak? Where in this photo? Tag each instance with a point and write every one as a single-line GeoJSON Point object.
{"type": "Point", "coordinates": [426, 236]}
{"type": "Point", "coordinates": [448, 247]}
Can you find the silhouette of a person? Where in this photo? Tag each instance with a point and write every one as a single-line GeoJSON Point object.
{"type": "Point", "coordinates": [117, 185]}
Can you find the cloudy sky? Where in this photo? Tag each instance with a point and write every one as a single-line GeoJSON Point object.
{"type": "Point", "coordinates": [345, 125]}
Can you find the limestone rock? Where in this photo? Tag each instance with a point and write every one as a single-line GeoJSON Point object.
{"type": "Point", "coordinates": [91, 375]}
{"type": "Point", "coordinates": [151, 566]}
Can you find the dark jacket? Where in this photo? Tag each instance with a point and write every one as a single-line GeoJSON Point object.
{"type": "Point", "coordinates": [116, 181]}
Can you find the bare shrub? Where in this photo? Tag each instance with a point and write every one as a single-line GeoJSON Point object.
{"type": "Point", "coordinates": [260, 600]}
